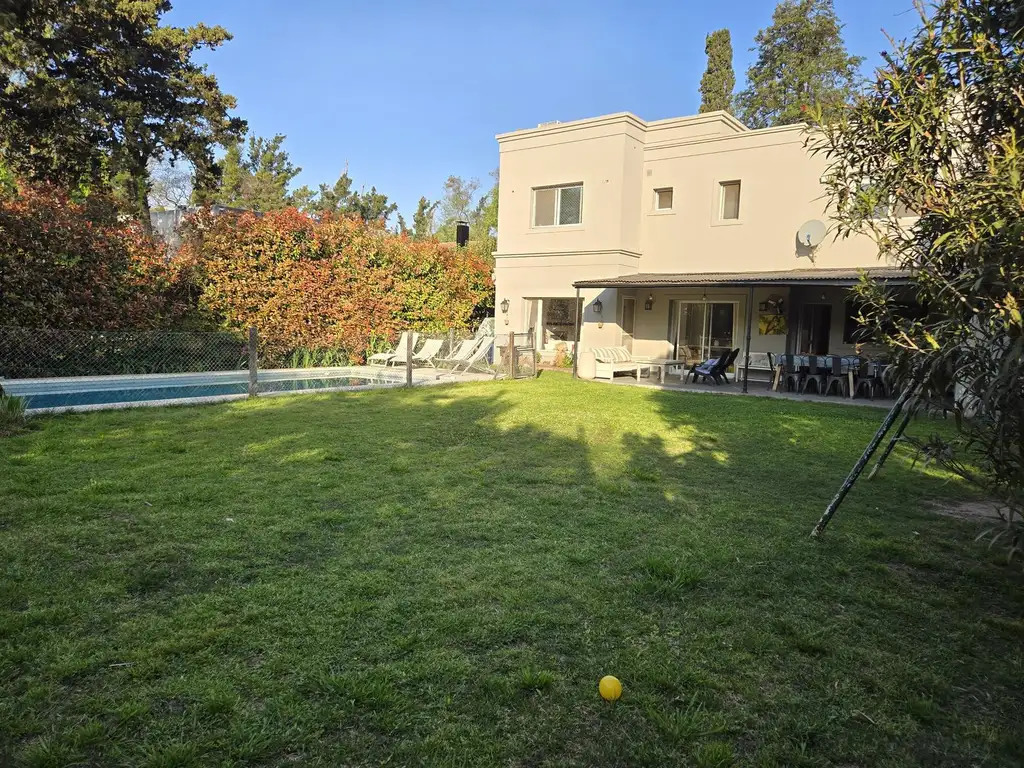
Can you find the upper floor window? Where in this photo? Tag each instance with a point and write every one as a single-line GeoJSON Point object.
{"type": "Point", "coordinates": [558, 206]}
{"type": "Point", "coordinates": [730, 202]}
{"type": "Point", "coordinates": [663, 199]}
{"type": "Point", "coordinates": [880, 206]}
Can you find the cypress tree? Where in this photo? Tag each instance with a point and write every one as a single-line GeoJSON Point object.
{"type": "Point", "coordinates": [719, 79]}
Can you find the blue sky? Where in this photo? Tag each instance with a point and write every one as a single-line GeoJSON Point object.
{"type": "Point", "coordinates": [408, 92]}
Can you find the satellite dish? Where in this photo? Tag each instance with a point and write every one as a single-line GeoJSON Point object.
{"type": "Point", "coordinates": [811, 233]}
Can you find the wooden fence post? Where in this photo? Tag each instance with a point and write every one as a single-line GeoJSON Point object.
{"type": "Point", "coordinates": [253, 361]}
{"type": "Point", "coordinates": [408, 359]}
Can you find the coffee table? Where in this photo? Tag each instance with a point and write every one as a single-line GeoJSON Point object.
{"type": "Point", "coordinates": [661, 364]}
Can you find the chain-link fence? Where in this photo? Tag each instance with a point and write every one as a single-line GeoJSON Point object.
{"type": "Point", "coordinates": [47, 367]}
{"type": "Point", "coordinates": [30, 353]}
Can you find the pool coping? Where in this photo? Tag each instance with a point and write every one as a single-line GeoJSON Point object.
{"type": "Point", "coordinates": [379, 379]}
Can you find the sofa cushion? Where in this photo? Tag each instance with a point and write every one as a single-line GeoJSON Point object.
{"type": "Point", "coordinates": [612, 354]}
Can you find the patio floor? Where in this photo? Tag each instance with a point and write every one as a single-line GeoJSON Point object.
{"type": "Point", "coordinates": [756, 389]}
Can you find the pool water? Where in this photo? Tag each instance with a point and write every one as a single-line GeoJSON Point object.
{"type": "Point", "coordinates": [183, 391]}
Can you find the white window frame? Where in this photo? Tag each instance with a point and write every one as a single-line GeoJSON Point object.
{"type": "Point", "coordinates": [883, 210]}
{"type": "Point", "coordinates": [721, 201]}
{"type": "Point", "coordinates": [657, 197]}
{"type": "Point", "coordinates": [558, 205]}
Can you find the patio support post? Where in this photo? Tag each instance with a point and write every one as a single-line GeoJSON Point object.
{"type": "Point", "coordinates": [746, 352]}
{"type": "Point", "coordinates": [253, 361]}
{"type": "Point", "coordinates": [408, 359]}
{"type": "Point", "coordinates": [861, 462]}
{"type": "Point", "coordinates": [576, 345]}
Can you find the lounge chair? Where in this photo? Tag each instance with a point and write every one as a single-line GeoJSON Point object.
{"type": "Point", "coordinates": [461, 353]}
{"type": "Point", "coordinates": [427, 353]}
{"type": "Point", "coordinates": [478, 354]}
{"type": "Point", "coordinates": [714, 369]}
{"type": "Point", "coordinates": [383, 358]}
{"type": "Point", "coordinates": [729, 362]}
{"type": "Point", "coordinates": [400, 356]}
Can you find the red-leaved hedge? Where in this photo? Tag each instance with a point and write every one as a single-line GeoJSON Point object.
{"type": "Point", "coordinates": [77, 264]}
{"type": "Point", "coordinates": [335, 282]}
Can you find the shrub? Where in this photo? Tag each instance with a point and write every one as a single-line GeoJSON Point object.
{"type": "Point", "coordinates": [927, 161]}
{"type": "Point", "coordinates": [67, 263]}
{"type": "Point", "coordinates": [330, 283]}
{"type": "Point", "coordinates": [12, 414]}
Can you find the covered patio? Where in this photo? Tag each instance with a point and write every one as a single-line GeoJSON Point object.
{"type": "Point", "coordinates": [677, 320]}
{"type": "Point", "coordinates": [737, 388]}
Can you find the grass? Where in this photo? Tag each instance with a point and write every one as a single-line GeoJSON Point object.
{"type": "Point", "coordinates": [440, 576]}
{"type": "Point", "coordinates": [12, 415]}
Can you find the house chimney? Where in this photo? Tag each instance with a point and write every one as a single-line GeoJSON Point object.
{"type": "Point", "coordinates": [461, 233]}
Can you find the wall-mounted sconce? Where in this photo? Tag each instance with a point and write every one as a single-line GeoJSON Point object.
{"type": "Point", "coordinates": [649, 304]}
{"type": "Point", "coordinates": [504, 309]}
{"type": "Point", "coordinates": [598, 306]}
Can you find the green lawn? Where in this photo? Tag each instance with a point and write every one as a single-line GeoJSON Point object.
{"type": "Point", "coordinates": [440, 576]}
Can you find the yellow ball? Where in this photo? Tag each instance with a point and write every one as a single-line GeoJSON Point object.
{"type": "Point", "coordinates": [610, 688]}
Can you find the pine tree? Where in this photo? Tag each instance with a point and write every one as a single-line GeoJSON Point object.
{"type": "Point", "coordinates": [271, 173]}
{"type": "Point", "coordinates": [258, 178]}
{"type": "Point", "coordinates": [402, 228]}
{"type": "Point", "coordinates": [719, 79]}
{"type": "Point", "coordinates": [232, 176]}
{"type": "Point", "coordinates": [423, 219]}
{"type": "Point", "coordinates": [802, 63]}
{"type": "Point", "coordinates": [93, 91]}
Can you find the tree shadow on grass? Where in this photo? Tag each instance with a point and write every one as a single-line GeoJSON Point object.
{"type": "Point", "coordinates": [388, 576]}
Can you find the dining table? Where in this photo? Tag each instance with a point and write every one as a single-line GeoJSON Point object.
{"type": "Point", "coordinates": [849, 365]}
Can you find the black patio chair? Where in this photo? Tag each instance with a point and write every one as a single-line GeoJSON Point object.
{"type": "Point", "coordinates": [836, 378]}
{"type": "Point", "coordinates": [730, 359]}
{"type": "Point", "coordinates": [869, 380]}
{"type": "Point", "coordinates": [816, 373]}
{"type": "Point", "coordinates": [713, 369]}
{"type": "Point", "coordinates": [792, 374]}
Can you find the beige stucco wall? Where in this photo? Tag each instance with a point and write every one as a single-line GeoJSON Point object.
{"type": "Point", "coordinates": [780, 190]}
{"type": "Point", "coordinates": [652, 326]}
{"type": "Point", "coordinates": [621, 160]}
{"type": "Point", "coordinates": [520, 278]}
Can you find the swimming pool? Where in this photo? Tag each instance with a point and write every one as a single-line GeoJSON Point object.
{"type": "Point", "coordinates": [95, 392]}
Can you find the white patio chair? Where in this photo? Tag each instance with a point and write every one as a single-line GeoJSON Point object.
{"type": "Point", "coordinates": [478, 354]}
{"type": "Point", "coordinates": [400, 355]}
{"type": "Point", "coordinates": [427, 353]}
{"type": "Point", "coordinates": [462, 352]}
{"type": "Point", "coordinates": [383, 358]}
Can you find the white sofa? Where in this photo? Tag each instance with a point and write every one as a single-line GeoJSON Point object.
{"type": "Point", "coordinates": [611, 360]}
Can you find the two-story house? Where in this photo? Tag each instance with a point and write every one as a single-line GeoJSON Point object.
{"type": "Point", "coordinates": [672, 238]}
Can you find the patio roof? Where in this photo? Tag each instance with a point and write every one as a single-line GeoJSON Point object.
{"type": "Point", "coordinates": [782, 277]}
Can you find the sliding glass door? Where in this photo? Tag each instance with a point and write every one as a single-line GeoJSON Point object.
{"type": "Point", "coordinates": [701, 330]}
